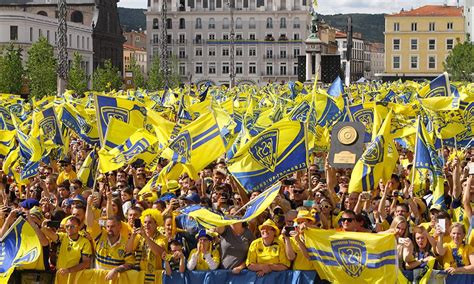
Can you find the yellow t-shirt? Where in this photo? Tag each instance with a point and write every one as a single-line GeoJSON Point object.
{"type": "Point", "coordinates": [201, 262]}
{"type": "Point", "coordinates": [273, 254]}
{"type": "Point", "coordinates": [109, 256]}
{"type": "Point", "coordinates": [300, 262]}
{"type": "Point", "coordinates": [70, 251]}
{"type": "Point", "coordinates": [65, 176]}
{"type": "Point", "coordinates": [146, 259]}
{"type": "Point", "coordinates": [462, 255]}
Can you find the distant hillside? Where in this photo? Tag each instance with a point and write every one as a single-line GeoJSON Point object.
{"type": "Point", "coordinates": [370, 25]}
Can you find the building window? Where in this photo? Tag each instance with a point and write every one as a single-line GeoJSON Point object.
{"type": "Point", "coordinates": [296, 52]}
{"type": "Point", "coordinates": [182, 23]}
{"type": "Point", "coordinates": [396, 27]}
{"type": "Point", "coordinates": [431, 62]}
{"type": "Point", "coordinates": [296, 36]}
{"type": "Point", "coordinates": [252, 37]}
{"type": "Point", "coordinates": [238, 23]}
{"type": "Point", "coordinates": [252, 68]}
{"type": "Point", "coordinates": [432, 27]}
{"type": "Point", "coordinates": [212, 68]}
{"type": "Point", "coordinates": [198, 69]}
{"type": "Point", "coordinates": [450, 26]}
{"type": "Point", "coordinates": [282, 53]}
{"type": "Point", "coordinates": [269, 53]}
{"type": "Point", "coordinates": [169, 38]}
{"type": "Point", "coordinates": [169, 24]}
{"type": "Point", "coordinates": [182, 53]}
{"type": "Point", "coordinates": [414, 27]}
{"type": "Point", "coordinates": [296, 23]}
{"type": "Point", "coordinates": [198, 23]}
{"type": "Point", "coordinates": [225, 36]}
{"type": "Point", "coordinates": [156, 38]}
{"type": "Point", "coordinates": [396, 62]}
{"type": "Point", "coordinates": [396, 44]}
{"type": "Point", "coordinates": [43, 13]}
{"type": "Point", "coordinates": [225, 68]}
{"type": "Point", "coordinates": [283, 23]}
{"type": "Point", "coordinates": [269, 69]}
{"type": "Point", "coordinates": [212, 23]}
{"type": "Point", "coordinates": [155, 24]}
{"type": "Point", "coordinates": [225, 23]}
{"type": "Point", "coordinates": [295, 68]}
{"type": "Point", "coordinates": [13, 32]}
{"type": "Point", "coordinates": [212, 51]}
{"type": "Point", "coordinates": [449, 44]}
{"type": "Point", "coordinates": [238, 51]}
{"type": "Point", "coordinates": [269, 23]}
{"type": "Point", "coordinates": [182, 38]}
{"type": "Point", "coordinates": [252, 23]}
{"type": "Point", "coordinates": [212, 36]}
{"type": "Point", "coordinates": [414, 62]}
{"type": "Point", "coordinates": [225, 51]}
{"type": "Point", "coordinates": [414, 44]}
{"type": "Point", "coordinates": [432, 44]}
{"type": "Point", "coordinates": [182, 69]}
{"type": "Point", "coordinates": [283, 69]}
{"type": "Point", "coordinates": [77, 17]}
{"type": "Point", "coordinates": [31, 34]}
{"type": "Point", "coordinates": [239, 68]}
{"type": "Point", "coordinates": [252, 51]}
{"type": "Point", "coordinates": [238, 36]}
{"type": "Point", "coordinates": [198, 52]}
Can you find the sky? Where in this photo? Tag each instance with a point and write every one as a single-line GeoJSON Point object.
{"type": "Point", "coordinates": [343, 6]}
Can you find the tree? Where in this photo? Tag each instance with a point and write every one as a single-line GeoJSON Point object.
{"type": "Point", "coordinates": [460, 62]}
{"type": "Point", "coordinates": [107, 78]}
{"type": "Point", "coordinates": [155, 77]}
{"type": "Point", "coordinates": [11, 70]}
{"type": "Point", "coordinates": [41, 69]}
{"type": "Point", "coordinates": [77, 79]}
{"type": "Point", "coordinates": [138, 78]}
{"type": "Point", "coordinates": [174, 78]}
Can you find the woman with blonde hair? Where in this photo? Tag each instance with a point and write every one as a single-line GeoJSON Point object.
{"type": "Point", "coordinates": [423, 247]}
{"type": "Point", "coordinates": [457, 257]}
{"type": "Point", "coordinates": [148, 244]}
{"type": "Point", "coordinates": [399, 227]}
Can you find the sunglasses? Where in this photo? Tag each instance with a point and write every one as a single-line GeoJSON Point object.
{"type": "Point", "coordinates": [347, 219]}
{"type": "Point", "coordinates": [298, 191]}
{"type": "Point", "coordinates": [72, 187]}
{"type": "Point", "coordinates": [70, 226]}
{"type": "Point", "coordinates": [327, 206]}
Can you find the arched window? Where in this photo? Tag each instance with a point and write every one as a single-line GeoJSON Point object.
{"type": "Point", "coordinates": [238, 23]}
{"type": "Point", "coordinates": [155, 24]}
{"type": "Point", "coordinates": [182, 23]}
{"type": "Point", "coordinates": [283, 23]}
{"type": "Point", "coordinates": [169, 24]}
{"type": "Point", "coordinates": [296, 23]}
{"type": "Point", "coordinates": [225, 23]}
{"type": "Point", "coordinates": [269, 23]}
{"type": "Point", "coordinates": [42, 13]}
{"type": "Point", "coordinates": [252, 24]}
{"type": "Point", "coordinates": [212, 23]}
{"type": "Point", "coordinates": [77, 17]}
{"type": "Point", "coordinates": [198, 23]}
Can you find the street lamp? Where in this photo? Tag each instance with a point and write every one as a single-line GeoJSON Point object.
{"type": "Point", "coordinates": [62, 47]}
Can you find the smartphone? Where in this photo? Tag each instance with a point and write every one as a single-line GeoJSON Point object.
{"type": "Point", "coordinates": [471, 168]}
{"type": "Point", "coordinates": [289, 229]}
{"type": "Point", "coordinates": [102, 222]}
{"type": "Point", "coordinates": [53, 224]}
{"type": "Point", "coordinates": [322, 180]}
{"type": "Point", "coordinates": [308, 203]}
{"type": "Point", "coordinates": [442, 224]}
{"type": "Point", "coordinates": [137, 223]}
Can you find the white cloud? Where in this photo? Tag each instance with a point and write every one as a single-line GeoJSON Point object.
{"type": "Point", "coordinates": [342, 6]}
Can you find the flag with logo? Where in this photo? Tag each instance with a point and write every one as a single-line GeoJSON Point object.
{"type": "Point", "coordinates": [348, 257]}
{"type": "Point", "coordinates": [276, 152]}
{"type": "Point", "coordinates": [439, 94]}
{"type": "Point", "coordinates": [77, 121]}
{"type": "Point", "coordinates": [255, 207]}
{"type": "Point", "coordinates": [131, 112]}
{"type": "Point", "coordinates": [19, 246]}
{"type": "Point", "coordinates": [45, 125]}
{"type": "Point", "coordinates": [377, 162]}
{"type": "Point", "coordinates": [86, 173]}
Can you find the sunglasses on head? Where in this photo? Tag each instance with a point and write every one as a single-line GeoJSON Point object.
{"type": "Point", "coordinates": [347, 219]}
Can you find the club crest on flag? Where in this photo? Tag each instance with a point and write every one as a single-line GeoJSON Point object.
{"type": "Point", "coordinates": [365, 116]}
{"type": "Point", "coordinates": [374, 153]}
{"type": "Point", "coordinates": [29, 256]}
{"type": "Point", "coordinates": [351, 255]}
{"type": "Point", "coordinates": [301, 112]}
{"type": "Point", "coordinates": [109, 112]}
{"type": "Point", "coordinates": [128, 154]}
{"type": "Point", "coordinates": [85, 127]}
{"type": "Point", "coordinates": [48, 125]}
{"type": "Point", "coordinates": [182, 145]}
{"type": "Point", "coordinates": [264, 150]}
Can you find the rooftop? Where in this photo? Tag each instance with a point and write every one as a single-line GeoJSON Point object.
{"type": "Point", "coordinates": [431, 11]}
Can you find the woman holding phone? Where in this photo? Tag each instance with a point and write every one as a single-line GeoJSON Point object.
{"type": "Point", "coordinates": [457, 257]}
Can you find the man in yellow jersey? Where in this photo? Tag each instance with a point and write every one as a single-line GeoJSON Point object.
{"type": "Point", "coordinates": [67, 173]}
{"type": "Point", "coordinates": [74, 252]}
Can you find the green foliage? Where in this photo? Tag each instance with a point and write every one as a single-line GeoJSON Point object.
{"type": "Point", "coordinates": [11, 70]}
{"type": "Point", "coordinates": [106, 78]}
{"type": "Point", "coordinates": [77, 79]}
{"type": "Point", "coordinates": [156, 78]}
{"type": "Point", "coordinates": [460, 62]}
{"type": "Point", "coordinates": [175, 78]}
{"type": "Point", "coordinates": [138, 78]}
{"type": "Point", "coordinates": [132, 19]}
{"type": "Point", "coordinates": [372, 26]}
{"type": "Point", "coordinates": [41, 69]}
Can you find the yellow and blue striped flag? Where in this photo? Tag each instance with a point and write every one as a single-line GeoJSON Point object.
{"type": "Point", "coordinates": [20, 246]}
{"type": "Point", "coordinates": [87, 172]}
{"type": "Point", "coordinates": [348, 257]}
{"type": "Point", "coordinates": [276, 152]}
{"type": "Point", "coordinates": [77, 121]}
{"type": "Point", "coordinates": [5, 119]}
{"type": "Point", "coordinates": [45, 125]}
{"type": "Point", "coordinates": [439, 94]}
{"type": "Point", "coordinates": [7, 142]}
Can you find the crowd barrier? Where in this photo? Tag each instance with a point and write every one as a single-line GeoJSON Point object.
{"type": "Point", "coordinates": [221, 277]}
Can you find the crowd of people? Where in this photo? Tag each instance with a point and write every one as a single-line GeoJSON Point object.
{"type": "Point", "coordinates": [113, 227]}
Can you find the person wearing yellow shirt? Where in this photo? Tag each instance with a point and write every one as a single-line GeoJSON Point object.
{"type": "Point", "coordinates": [295, 248]}
{"type": "Point", "coordinates": [148, 244]}
{"type": "Point", "coordinates": [267, 254]}
{"type": "Point", "coordinates": [67, 173]}
{"type": "Point", "coordinates": [204, 257]}
{"type": "Point", "coordinates": [457, 257]}
{"type": "Point", "coordinates": [74, 252]}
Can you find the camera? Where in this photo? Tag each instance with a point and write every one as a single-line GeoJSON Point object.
{"type": "Point", "coordinates": [288, 230]}
{"type": "Point", "coordinates": [289, 181]}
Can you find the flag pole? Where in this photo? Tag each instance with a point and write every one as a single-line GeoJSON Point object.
{"type": "Point", "coordinates": [414, 153]}
{"type": "Point", "coordinates": [253, 200]}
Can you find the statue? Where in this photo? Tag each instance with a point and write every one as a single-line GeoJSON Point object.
{"type": "Point", "coordinates": [313, 28]}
